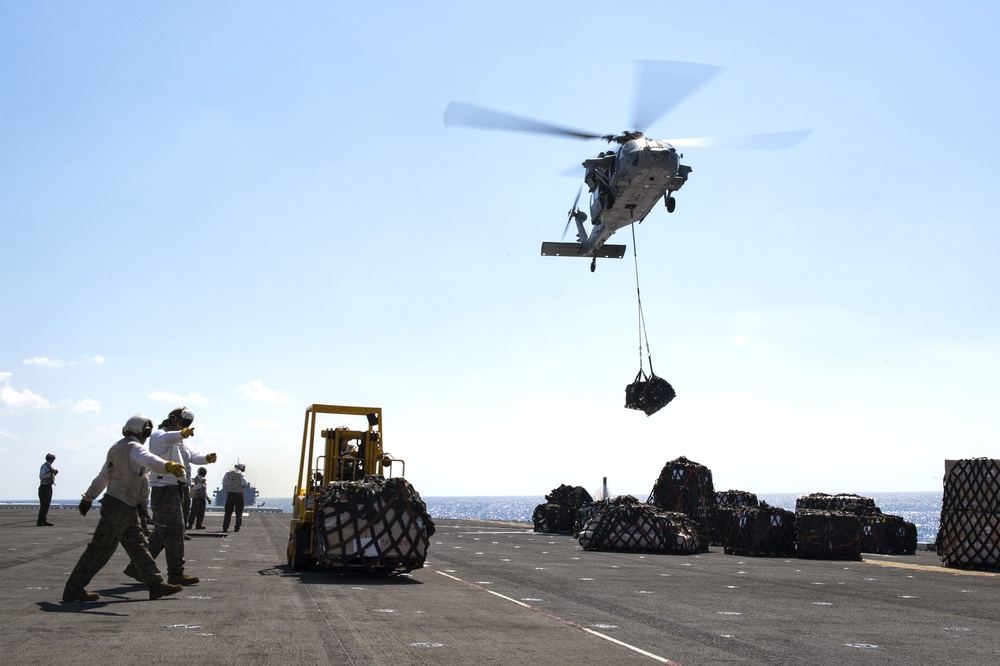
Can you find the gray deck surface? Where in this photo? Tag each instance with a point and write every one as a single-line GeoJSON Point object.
{"type": "Point", "coordinates": [491, 593]}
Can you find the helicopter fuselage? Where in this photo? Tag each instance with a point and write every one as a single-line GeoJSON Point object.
{"type": "Point", "coordinates": [626, 185]}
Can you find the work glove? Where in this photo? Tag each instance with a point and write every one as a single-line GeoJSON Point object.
{"type": "Point", "coordinates": [176, 469]}
{"type": "Point", "coordinates": [187, 432]}
{"type": "Point", "coordinates": [85, 505]}
{"type": "Point", "coordinates": [211, 457]}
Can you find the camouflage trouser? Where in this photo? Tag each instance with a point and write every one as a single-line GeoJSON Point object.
{"type": "Point", "coordinates": [119, 524]}
{"type": "Point", "coordinates": [169, 532]}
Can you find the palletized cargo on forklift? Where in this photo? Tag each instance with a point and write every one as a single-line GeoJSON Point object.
{"type": "Point", "coordinates": [347, 514]}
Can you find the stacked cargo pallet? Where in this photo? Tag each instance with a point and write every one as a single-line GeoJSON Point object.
{"type": "Point", "coordinates": [970, 514]}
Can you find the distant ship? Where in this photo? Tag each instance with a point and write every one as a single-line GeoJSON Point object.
{"type": "Point", "coordinates": [249, 497]}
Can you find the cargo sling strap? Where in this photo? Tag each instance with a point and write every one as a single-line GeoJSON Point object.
{"type": "Point", "coordinates": [648, 393]}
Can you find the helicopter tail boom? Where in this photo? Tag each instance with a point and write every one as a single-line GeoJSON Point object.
{"type": "Point", "coordinates": [553, 249]}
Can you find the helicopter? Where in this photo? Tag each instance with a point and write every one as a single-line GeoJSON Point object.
{"type": "Point", "coordinates": [627, 182]}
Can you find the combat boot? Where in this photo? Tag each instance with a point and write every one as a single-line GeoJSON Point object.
{"type": "Point", "coordinates": [183, 579]}
{"type": "Point", "coordinates": [160, 590]}
{"type": "Point", "coordinates": [79, 595]}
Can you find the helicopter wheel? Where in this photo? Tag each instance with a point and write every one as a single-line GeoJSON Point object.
{"type": "Point", "coordinates": [593, 264]}
{"type": "Point", "coordinates": [671, 204]}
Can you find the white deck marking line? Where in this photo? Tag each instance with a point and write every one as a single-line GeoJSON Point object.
{"type": "Point", "coordinates": [562, 620]}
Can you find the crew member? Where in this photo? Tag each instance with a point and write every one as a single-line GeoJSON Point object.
{"type": "Point", "coordinates": [233, 483]}
{"type": "Point", "coordinates": [165, 494]}
{"type": "Point", "coordinates": [123, 474]}
{"type": "Point", "coordinates": [199, 499]}
{"type": "Point", "coordinates": [46, 479]}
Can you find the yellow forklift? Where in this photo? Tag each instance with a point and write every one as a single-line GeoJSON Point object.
{"type": "Point", "coordinates": [346, 513]}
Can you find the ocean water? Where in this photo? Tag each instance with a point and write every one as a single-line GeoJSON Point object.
{"type": "Point", "coordinates": [923, 509]}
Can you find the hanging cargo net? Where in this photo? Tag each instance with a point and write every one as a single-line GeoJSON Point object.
{"type": "Point", "coordinates": [727, 503]}
{"type": "Point", "coordinates": [625, 524]}
{"type": "Point", "coordinates": [686, 486]}
{"type": "Point", "coordinates": [970, 514]}
{"type": "Point", "coordinates": [762, 531]}
{"type": "Point", "coordinates": [888, 535]}
{"type": "Point", "coordinates": [559, 514]}
{"type": "Point", "coordinates": [375, 524]}
{"type": "Point", "coordinates": [828, 535]}
{"type": "Point", "coordinates": [648, 394]}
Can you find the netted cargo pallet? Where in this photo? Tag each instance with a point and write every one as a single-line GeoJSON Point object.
{"type": "Point", "coordinates": [828, 535]}
{"type": "Point", "coordinates": [554, 518]}
{"type": "Point", "coordinates": [649, 395]}
{"type": "Point", "coordinates": [844, 502]}
{"type": "Point", "coordinates": [686, 486]}
{"type": "Point", "coordinates": [640, 528]}
{"type": "Point", "coordinates": [762, 531]}
{"type": "Point", "coordinates": [970, 514]}
{"type": "Point", "coordinates": [888, 535]}
{"type": "Point", "coordinates": [736, 498]}
{"type": "Point", "coordinates": [727, 502]}
{"type": "Point", "coordinates": [559, 514]}
{"type": "Point", "coordinates": [375, 524]}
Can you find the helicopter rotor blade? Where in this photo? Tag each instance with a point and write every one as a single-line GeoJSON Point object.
{"type": "Point", "coordinates": [470, 115]}
{"type": "Point", "coordinates": [663, 84]}
{"type": "Point", "coordinates": [772, 141]}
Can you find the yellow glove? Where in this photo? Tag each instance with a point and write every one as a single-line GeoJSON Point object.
{"type": "Point", "coordinates": [176, 469]}
{"type": "Point", "coordinates": [187, 432]}
{"type": "Point", "coordinates": [211, 457]}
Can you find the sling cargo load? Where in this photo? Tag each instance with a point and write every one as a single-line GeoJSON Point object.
{"type": "Point", "coordinates": [347, 514]}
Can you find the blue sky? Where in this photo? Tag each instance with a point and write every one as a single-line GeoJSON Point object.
{"type": "Point", "coordinates": [249, 208]}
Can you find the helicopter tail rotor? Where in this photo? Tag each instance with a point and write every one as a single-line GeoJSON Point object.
{"type": "Point", "coordinates": [575, 214]}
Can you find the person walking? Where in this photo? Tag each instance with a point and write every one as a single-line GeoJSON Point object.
{"type": "Point", "coordinates": [233, 483]}
{"type": "Point", "coordinates": [46, 479]}
{"type": "Point", "coordinates": [166, 494]}
{"type": "Point", "coordinates": [199, 500]}
{"type": "Point", "coordinates": [122, 475]}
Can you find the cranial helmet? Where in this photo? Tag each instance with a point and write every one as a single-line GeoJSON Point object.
{"type": "Point", "coordinates": [138, 426]}
{"type": "Point", "coordinates": [241, 467]}
{"type": "Point", "coordinates": [202, 471]}
{"type": "Point", "coordinates": [183, 415]}
{"type": "Point", "coordinates": [50, 457]}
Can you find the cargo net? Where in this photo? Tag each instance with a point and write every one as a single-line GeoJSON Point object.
{"type": "Point", "coordinates": [970, 514]}
{"type": "Point", "coordinates": [888, 535]}
{"type": "Point", "coordinates": [727, 502]}
{"type": "Point", "coordinates": [648, 394]}
{"type": "Point", "coordinates": [626, 524]}
{"type": "Point", "coordinates": [761, 531]}
{"type": "Point", "coordinates": [828, 535]}
{"type": "Point", "coordinates": [560, 513]}
{"type": "Point", "coordinates": [843, 502]}
{"type": "Point", "coordinates": [686, 486]}
{"type": "Point", "coordinates": [375, 524]}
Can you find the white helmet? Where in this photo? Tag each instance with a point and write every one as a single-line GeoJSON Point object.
{"type": "Point", "coordinates": [241, 467]}
{"type": "Point", "coordinates": [138, 426]}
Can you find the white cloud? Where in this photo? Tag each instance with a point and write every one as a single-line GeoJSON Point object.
{"type": "Point", "coordinates": [256, 390]}
{"type": "Point", "coordinates": [263, 424]}
{"type": "Point", "coordinates": [93, 360]}
{"type": "Point", "coordinates": [173, 398]}
{"type": "Point", "coordinates": [24, 398]}
{"type": "Point", "coordinates": [6, 435]}
{"type": "Point", "coordinates": [44, 361]}
{"type": "Point", "coordinates": [86, 406]}
{"type": "Point", "coordinates": [741, 340]}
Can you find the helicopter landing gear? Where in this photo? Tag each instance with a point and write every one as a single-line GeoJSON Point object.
{"type": "Point", "coordinates": [593, 264]}
{"type": "Point", "coordinates": [671, 203]}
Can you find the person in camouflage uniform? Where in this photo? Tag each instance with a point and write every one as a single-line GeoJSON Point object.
{"type": "Point", "coordinates": [124, 475]}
